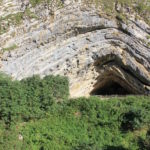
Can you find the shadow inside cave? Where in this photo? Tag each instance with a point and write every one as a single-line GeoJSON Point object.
{"type": "Point", "coordinates": [111, 88]}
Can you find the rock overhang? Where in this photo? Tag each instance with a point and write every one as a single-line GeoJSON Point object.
{"type": "Point", "coordinates": [88, 49]}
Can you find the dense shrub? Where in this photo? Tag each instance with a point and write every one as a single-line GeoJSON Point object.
{"type": "Point", "coordinates": [85, 146]}
{"type": "Point", "coordinates": [88, 124]}
{"type": "Point", "coordinates": [114, 148]}
{"type": "Point", "coordinates": [131, 120]}
{"type": "Point", "coordinates": [144, 144]}
{"type": "Point", "coordinates": [30, 98]}
{"type": "Point", "coordinates": [28, 107]}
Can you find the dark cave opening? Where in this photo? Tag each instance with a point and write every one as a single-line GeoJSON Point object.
{"type": "Point", "coordinates": [111, 88]}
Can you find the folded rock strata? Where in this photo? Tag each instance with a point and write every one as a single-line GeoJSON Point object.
{"type": "Point", "coordinates": [99, 55]}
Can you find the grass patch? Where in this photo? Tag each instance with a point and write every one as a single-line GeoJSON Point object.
{"type": "Point", "coordinates": [35, 2]}
{"type": "Point", "coordinates": [142, 8]}
{"type": "Point", "coordinates": [13, 47]}
{"type": "Point", "coordinates": [11, 19]}
{"type": "Point", "coordinates": [108, 8]}
{"type": "Point", "coordinates": [51, 3]}
{"type": "Point", "coordinates": [30, 14]}
{"type": "Point", "coordinates": [15, 19]}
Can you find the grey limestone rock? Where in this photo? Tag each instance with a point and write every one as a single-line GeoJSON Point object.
{"type": "Point", "coordinates": [92, 51]}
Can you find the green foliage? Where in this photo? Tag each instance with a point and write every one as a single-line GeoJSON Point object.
{"type": "Point", "coordinates": [142, 8]}
{"type": "Point", "coordinates": [14, 18]}
{"type": "Point", "coordinates": [144, 144]}
{"type": "Point", "coordinates": [13, 47]}
{"type": "Point", "coordinates": [30, 98]}
{"type": "Point", "coordinates": [83, 124]}
{"type": "Point", "coordinates": [115, 148]}
{"type": "Point", "coordinates": [38, 110]}
{"type": "Point", "coordinates": [132, 120]}
{"type": "Point", "coordinates": [47, 2]}
{"type": "Point", "coordinates": [30, 14]}
{"type": "Point", "coordinates": [10, 19]}
{"type": "Point", "coordinates": [35, 2]}
{"type": "Point", "coordinates": [121, 17]}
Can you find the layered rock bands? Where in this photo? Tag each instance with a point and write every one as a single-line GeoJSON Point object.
{"type": "Point", "coordinates": [99, 55]}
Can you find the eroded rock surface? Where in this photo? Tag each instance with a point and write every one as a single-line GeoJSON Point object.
{"type": "Point", "coordinates": [77, 42]}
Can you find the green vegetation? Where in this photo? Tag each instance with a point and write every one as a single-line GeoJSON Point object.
{"type": "Point", "coordinates": [14, 19]}
{"type": "Point", "coordinates": [17, 19]}
{"type": "Point", "coordinates": [48, 2]}
{"type": "Point", "coordinates": [35, 2]}
{"type": "Point", "coordinates": [148, 37]}
{"type": "Point", "coordinates": [145, 142]}
{"type": "Point", "coordinates": [108, 7]}
{"type": "Point", "coordinates": [121, 17]}
{"type": "Point", "coordinates": [35, 114]}
{"type": "Point", "coordinates": [30, 98]}
{"type": "Point", "coordinates": [30, 14]}
{"type": "Point", "coordinates": [13, 47]}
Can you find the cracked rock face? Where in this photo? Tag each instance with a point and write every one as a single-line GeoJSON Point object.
{"type": "Point", "coordinates": [98, 55]}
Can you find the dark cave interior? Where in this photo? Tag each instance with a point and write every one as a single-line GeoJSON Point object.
{"type": "Point", "coordinates": [111, 88]}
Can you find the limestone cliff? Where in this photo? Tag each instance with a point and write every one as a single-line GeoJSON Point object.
{"type": "Point", "coordinates": [96, 51]}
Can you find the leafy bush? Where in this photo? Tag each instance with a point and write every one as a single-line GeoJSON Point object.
{"type": "Point", "coordinates": [30, 98]}
{"type": "Point", "coordinates": [145, 143]}
{"type": "Point", "coordinates": [114, 148]}
{"type": "Point", "coordinates": [28, 107]}
{"type": "Point", "coordinates": [85, 146]}
{"type": "Point", "coordinates": [132, 120]}
{"type": "Point", "coordinates": [84, 123]}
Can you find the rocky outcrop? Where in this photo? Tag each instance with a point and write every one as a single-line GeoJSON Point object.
{"type": "Point", "coordinates": [96, 53]}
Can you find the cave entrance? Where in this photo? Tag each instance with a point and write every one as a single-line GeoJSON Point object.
{"type": "Point", "coordinates": [110, 88]}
